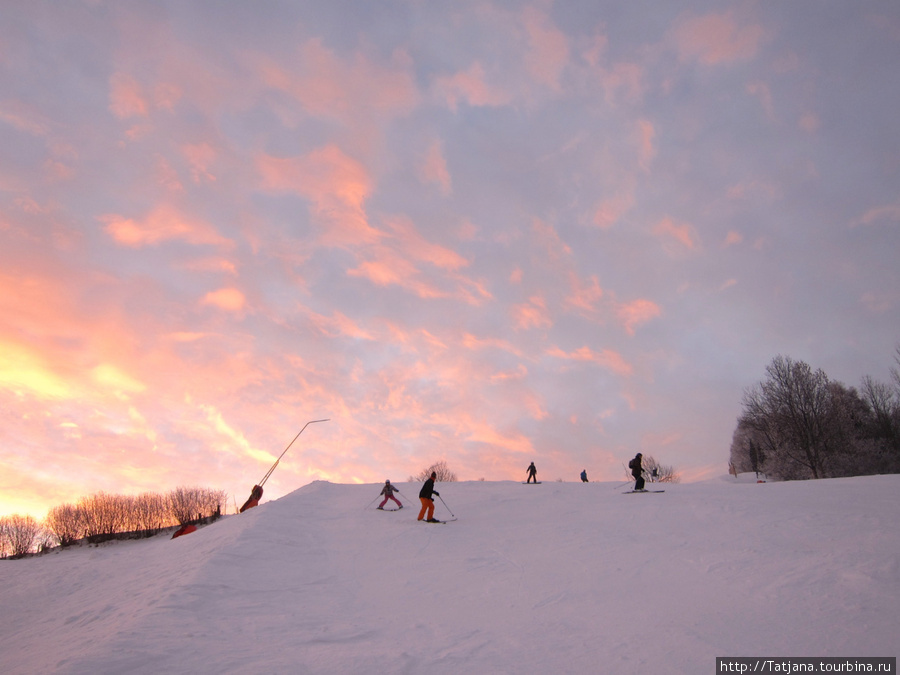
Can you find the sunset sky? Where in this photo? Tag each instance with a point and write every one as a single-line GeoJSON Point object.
{"type": "Point", "coordinates": [490, 233]}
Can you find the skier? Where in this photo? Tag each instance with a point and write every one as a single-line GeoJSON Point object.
{"type": "Point", "coordinates": [584, 476]}
{"type": "Point", "coordinates": [427, 502]}
{"type": "Point", "coordinates": [636, 471]}
{"type": "Point", "coordinates": [532, 473]}
{"type": "Point", "coordinates": [388, 491]}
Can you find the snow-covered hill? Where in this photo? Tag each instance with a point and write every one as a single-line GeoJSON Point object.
{"type": "Point", "coordinates": [558, 577]}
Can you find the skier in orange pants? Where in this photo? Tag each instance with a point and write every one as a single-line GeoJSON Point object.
{"type": "Point", "coordinates": [425, 497]}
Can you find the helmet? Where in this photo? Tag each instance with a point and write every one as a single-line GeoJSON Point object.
{"type": "Point", "coordinates": [388, 480]}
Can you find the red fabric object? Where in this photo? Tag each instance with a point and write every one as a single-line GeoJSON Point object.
{"type": "Point", "coordinates": [184, 529]}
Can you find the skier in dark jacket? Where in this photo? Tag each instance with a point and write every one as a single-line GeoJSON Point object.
{"type": "Point", "coordinates": [584, 476]}
{"type": "Point", "coordinates": [425, 496]}
{"type": "Point", "coordinates": [532, 473]}
{"type": "Point", "coordinates": [637, 471]}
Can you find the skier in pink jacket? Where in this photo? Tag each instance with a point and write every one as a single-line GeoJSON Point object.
{"type": "Point", "coordinates": [388, 491]}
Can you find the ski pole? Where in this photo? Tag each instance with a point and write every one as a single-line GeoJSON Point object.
{"type": "Point", "coordinates": [370, 503]}
{"type": "Point", "coordinates": [445, 505]}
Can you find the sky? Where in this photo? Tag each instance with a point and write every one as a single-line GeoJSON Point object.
{"type": "Point", "coordinates": [485, 233]}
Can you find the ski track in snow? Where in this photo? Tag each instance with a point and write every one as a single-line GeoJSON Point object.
{"type": "Point", "coordinates": [571, 578]}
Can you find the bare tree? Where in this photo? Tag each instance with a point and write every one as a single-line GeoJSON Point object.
{"type": "Point", "coordinates": [790, 410]}
{"type": "Point", "coordinates": [184, 505]}
{"type": "Point", "coordinates": [19, 535]}
{"type": "Point", "coordinates": [66, 523]}
{"type": "Point", "coordinates": [104, 515]}
{"type": "Point", "coordinates": [663, 473]}
{"type": "Point", "coordinates": [443, 472]}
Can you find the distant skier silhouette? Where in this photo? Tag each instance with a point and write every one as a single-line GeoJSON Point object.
{"type": "Point", "coordinates": [637, 471]}
{"type": "Point", "coordinates": [532, 473]}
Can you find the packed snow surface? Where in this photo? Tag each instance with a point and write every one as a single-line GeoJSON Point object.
{"type": "Point", "coordinates": [550, 578]}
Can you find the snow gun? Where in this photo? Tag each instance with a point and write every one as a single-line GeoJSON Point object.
{"type": "Point", "coordinates": [257, 492]}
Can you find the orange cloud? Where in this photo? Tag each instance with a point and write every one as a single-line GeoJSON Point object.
{"type": "Point", "coordinates": [162, 224]}
{"type": "Point", "coordinates": [229, 299]}
{"type": "Point", "coordinates": [336, 184]}
{"type": "Point", "coordinates": [716, 38]}
{"type": "Point", "coordinates": [481, 432]}
{"type": "Point", "coordinates": [606, 358]}
{"type": "Point", "coordinates": [23, 368]}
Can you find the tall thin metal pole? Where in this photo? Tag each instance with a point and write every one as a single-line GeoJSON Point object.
{"type": "Point", "coordinates": [269, 472]}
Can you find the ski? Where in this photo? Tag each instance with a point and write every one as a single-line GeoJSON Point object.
{"type": "Point", "coordinates": [533, 483]}
{"type": "Point", "coordinates": [438, 522]}
{"type": "Point", "coordinates": [631, 492]}
{"type": "Point", "coordinates": [388, 509]}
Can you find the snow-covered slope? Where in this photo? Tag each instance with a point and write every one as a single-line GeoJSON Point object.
{"type": "Point", "coordinates": [558, 577]}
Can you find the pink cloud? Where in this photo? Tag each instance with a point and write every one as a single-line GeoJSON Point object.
{"type": "Point", "coordinates": [549, 48]}
{"type": "Point", "coordinates": [531, 314]}
{"type": "Point", "coordinates": [475, 343]}
{"type": "Point", "coordinates": [200, 157]}
{"type": "Point", "coordinates": [328, 86]}
{"type": "Point", "coordinates": [610, 210]}
{"type": "Point", "coordinates": [162, 224]}
{"type": "Point", "coordinates": [763, 92]}
{"type": "Point", "coordinates": [716, 38]}
{"type": "Point", "coordinates": [336, 184]}
{"type": "Point", "coordinates": [682, 234]}
{"type": "Point", "coordinates": [607, 358]}
{"type": "Point", "coordinates": [634, 313]}
{"type": "Point", "coordinates": [434, 168]}
{"type": "Point", "coordinates": [809, 122]}
{"type": "Point", "coordinates": [732, 239]}
{"type": "Point", "coordinates": [647, 151]}
{"type": "Point", "coordinates": [125, 97]}
{"type": "Point", "coordinates": [584, 296]}
{"type": "Point", "coordinates": [889, 213]}
{"type": "Point", "coordinates": [622, 82]}
{"type": "Point", "coordinates": [470, 86]}
{"type": "Point", "coordinates": [339, 324]}
{"type": "Point", "coordinates": [417, 247]}
{"type": "Point", "coordinates": [24, 117]}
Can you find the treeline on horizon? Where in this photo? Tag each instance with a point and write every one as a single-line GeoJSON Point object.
{"type": "Point", "coordinates": [798, 423]}
{"type": "Point", "coordinates": [104, 517]}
